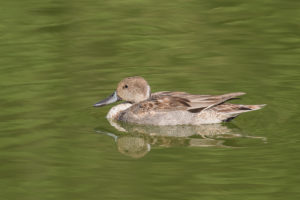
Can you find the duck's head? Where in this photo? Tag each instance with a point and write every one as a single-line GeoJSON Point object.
{"type": "Point", "coordinates": [132, 89]}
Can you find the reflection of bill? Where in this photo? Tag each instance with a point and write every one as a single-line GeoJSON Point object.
{"type": "Point", "coordinates": [139, 138]}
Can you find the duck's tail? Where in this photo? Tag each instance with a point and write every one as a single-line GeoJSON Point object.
{"type": "Point", "coordinates": [231, 111]}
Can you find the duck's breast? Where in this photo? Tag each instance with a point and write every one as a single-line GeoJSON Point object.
{"type": "Point", "coordinates": [115, 111]}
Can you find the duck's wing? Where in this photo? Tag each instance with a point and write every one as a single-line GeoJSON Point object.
{"type": "Point", "coordinates": [193, 103]}
{"type": "Point", "coordinates": [161, 103]}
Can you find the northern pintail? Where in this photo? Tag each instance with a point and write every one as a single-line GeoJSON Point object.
{"type": "Point", "coordinates": [170, 108]}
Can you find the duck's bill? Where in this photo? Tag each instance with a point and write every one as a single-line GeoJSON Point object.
{"type": "Point", "coordinates": [111, 99]}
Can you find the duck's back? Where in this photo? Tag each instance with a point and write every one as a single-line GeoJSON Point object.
{"type": "Point", "coordinates": [179, 108]}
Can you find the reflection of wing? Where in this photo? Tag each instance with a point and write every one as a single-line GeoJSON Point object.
{"type": "Point", "coordinates": [191, 102]}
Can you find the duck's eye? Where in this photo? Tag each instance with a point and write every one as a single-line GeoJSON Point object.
{"type": "Point", "coordinates": [125, 86]}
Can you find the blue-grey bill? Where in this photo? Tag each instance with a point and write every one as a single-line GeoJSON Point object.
{"type": "Point", "coordinates": [111, 99]}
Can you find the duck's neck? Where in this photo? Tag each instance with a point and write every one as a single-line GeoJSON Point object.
{"type": "Point", "coordinates": [115, 111]}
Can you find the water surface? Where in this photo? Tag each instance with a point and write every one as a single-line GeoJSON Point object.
{"type": "Point", "coordinates": [58, 58]}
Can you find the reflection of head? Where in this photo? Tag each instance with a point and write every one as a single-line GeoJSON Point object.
{"type": "Point", "coordinates": [133, 146]}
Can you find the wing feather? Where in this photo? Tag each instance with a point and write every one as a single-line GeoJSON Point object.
{"type": "Point", "coordinates": [195, 103]}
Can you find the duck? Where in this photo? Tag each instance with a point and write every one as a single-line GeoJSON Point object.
{"type": "Point", "coordinates": [140, 106]}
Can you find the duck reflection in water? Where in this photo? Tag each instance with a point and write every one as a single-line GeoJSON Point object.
{"type": "Point", "coordinates": [139, 139]}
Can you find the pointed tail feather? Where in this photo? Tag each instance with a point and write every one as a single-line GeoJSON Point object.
{"type": "Point", "coordinates": [247, 108]}
{"type": "Point", "coordinates": [231, 111]}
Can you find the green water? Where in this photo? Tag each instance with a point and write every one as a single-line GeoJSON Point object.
{"type": "Point", "coordinates": [58, 58]}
